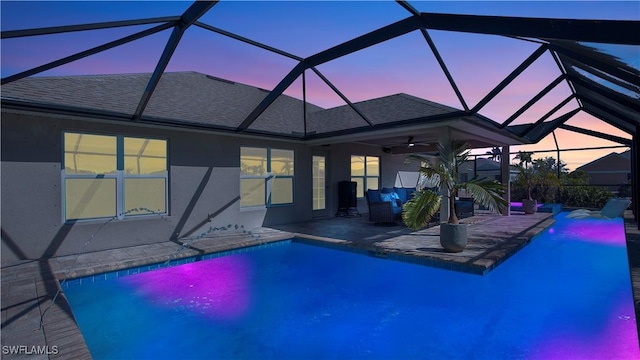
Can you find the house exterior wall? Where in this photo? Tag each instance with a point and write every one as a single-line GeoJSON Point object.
{"type": "Point", "coordinates": [611, 170]}
{"type": "Point", "coordinates": [204, 173]}
{"type": "Point", "coordinates": [608, 178]}
{"type": "Point", "coordinates": [203, 176]}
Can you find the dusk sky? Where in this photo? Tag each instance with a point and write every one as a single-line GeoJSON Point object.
{"type": "Point", "coordinates": [404, 64]}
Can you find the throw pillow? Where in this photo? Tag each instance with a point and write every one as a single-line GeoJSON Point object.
{"type": "Point", "coordinates": [388, 197]}
{"type": "Point", "coordinates": [402, 194]}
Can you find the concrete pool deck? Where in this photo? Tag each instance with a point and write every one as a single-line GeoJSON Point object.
{"type": "Point", "coordinates": [27, 289]}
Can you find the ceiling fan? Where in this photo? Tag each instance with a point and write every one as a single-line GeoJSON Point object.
{"type": "Point", "coordinates": [411, 143]}
{"type": "Point", "coordinates": [406, 145]}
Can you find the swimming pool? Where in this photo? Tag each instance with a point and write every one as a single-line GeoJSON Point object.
{"type": "Point", "coordinates": [566, 295]}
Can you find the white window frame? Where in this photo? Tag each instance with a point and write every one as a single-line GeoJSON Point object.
{"type": "Point", "coordinates": [365, 176]}
{"type": "Point", "coordinates": [268, 178]}
{"type": "Point", "coordinates": [119, 176]}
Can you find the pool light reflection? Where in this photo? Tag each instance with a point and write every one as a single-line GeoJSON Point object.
{"type": "Point", "coordinates": [218, 288]}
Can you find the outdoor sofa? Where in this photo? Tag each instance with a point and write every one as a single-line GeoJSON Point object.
{"type": "Point", "coordinates": [385, 206]}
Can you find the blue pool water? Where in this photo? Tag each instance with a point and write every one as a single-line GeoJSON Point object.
{"type": "Point", "coordinates": [567, 295]}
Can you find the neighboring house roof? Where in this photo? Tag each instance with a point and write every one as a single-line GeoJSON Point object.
{"type": "Point", "coordinates": [484, 165]}
{"type": "Point", "coordinates": [487, 165]}
{"type": "Point", "coordinates": [626, 154]}
{"type": "Point", "coordinates": [610, 162]}
{"type": "Point", "coordinates": [196, 98]}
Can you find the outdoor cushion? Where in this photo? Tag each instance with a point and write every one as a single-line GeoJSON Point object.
{"type": "Point", "coordinates": [614, 208]}
{"type": "Point", "coordinates": [374, 196]}
{"type": "Point", "coordinates": [390, 197]}
{"type": "Point", "coordinates": [397, 199]}
{"type": "Point", "coordinates": [386, 190]}
{"type": "Point", "coordinates": [402, 194]}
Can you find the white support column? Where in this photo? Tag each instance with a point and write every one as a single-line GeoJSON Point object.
{"type": "Point", "coordinates": [445, 136]}
{"type": "Point", "coordinates": [444, 204]}
{"type": "Point", "coordinates": [506, 178]}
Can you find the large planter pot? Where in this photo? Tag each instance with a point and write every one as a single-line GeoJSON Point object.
{"type": "Point", "coordinates": [529, 206]}
{"type": "Point", "coordinates": [453, 237]}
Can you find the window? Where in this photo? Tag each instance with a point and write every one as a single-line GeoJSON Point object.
{"type": "Point", "coordinates": [365, 171]}
{"type": "Point", "coordinates": [107, 176]}
{"type": "Point", "coordinates": [318, 169]}
{"type": "Point", "coordinates": [266, 177]}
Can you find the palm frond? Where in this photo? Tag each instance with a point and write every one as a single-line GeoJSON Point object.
{"type": "Point", "coordinates": [452, 155]}
{"type": "Point", "coordinates": [417, 212]}
{"type": "Point", "coordinates": [486, 192]}
{"type": "Point", "coordinates": [411, 158]}
{"type": "Point", "coordinates": [434, 175]}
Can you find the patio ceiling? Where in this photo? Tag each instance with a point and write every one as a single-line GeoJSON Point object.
{"type": "Point", "coordinates": [600, 84]}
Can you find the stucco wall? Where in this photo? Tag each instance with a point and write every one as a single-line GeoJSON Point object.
{"type": "Point", "coordinates": [203, 175]}
{"type": "Point", "coordinates": [204, 179]}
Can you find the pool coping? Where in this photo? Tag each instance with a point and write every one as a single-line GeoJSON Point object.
{"type": "Point", "coordinates": [468, 261]}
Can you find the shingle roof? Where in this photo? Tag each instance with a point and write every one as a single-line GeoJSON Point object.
{"type": "Point", "coordinates": [116, 93]}
{"type": "Point", "coordinates": [606, 158]}
{"type": "Point", "coordinates": [626, 154]}
{"type": "Point", "coordinates": [387, 109]}
{"type": "Point", "coordinates": [192, 97]}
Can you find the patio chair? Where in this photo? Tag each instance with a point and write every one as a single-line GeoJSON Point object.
{"type": "Point", "coordinates": [614, 208]}
{"type": "Point", "coordinates": [384, 208]}
{"type": "Point", "coordinates": [464, 207]}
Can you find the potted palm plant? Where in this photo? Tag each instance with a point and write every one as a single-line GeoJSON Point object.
{"type": "Point", "coordinates": [443, 172]}
{"type": "Point", "coordinates": [529, 177]}
{"type": "Point", "coordinates": [526, 179]}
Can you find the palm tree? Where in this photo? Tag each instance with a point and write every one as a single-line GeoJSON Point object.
{"type": "Point", "coordinates": [525, 171]}
{"type": "Point", "coordinates": [495, 153]}
{"type": "Point", "coordinates": [524, 158]}
{"type": "Point", "coordinates": [444, 171]}
{"type": "Point", "coordinates": [531, 174]}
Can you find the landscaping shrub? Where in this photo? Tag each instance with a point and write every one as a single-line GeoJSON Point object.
{"type": "Point", "coordinates": [584, 196]}
{"type": "Point", "coordinates": [542, 194]}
